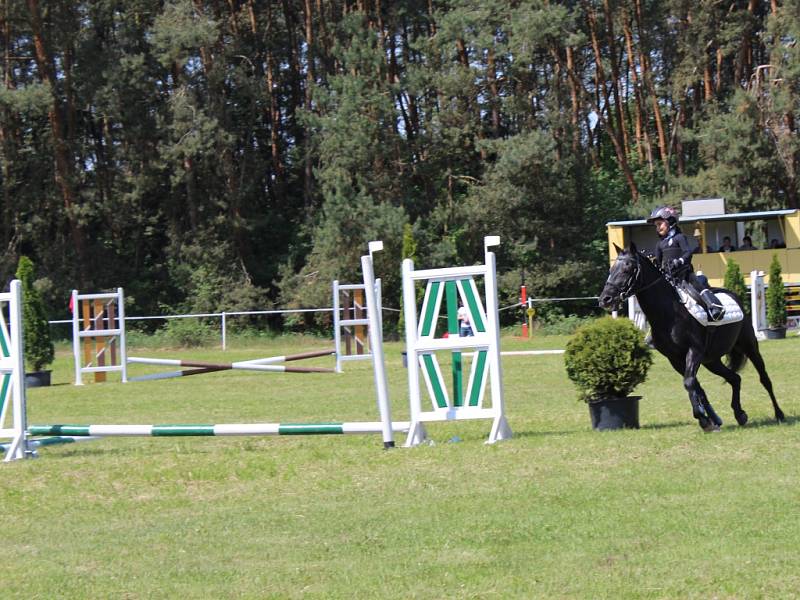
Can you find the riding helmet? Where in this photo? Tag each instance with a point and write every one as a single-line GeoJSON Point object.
{"type": "Point", "coordinates": [664, 212]}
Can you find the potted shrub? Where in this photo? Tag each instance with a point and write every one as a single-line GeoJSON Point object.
{"type": "Point", "coordinates": [606, 359]}
{"type": "Point", "coordinates": [776, 302]}
{"type": "Point", "coordinates": [38, 347]}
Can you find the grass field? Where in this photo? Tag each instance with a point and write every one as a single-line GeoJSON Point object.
{"type": "Point", "coordinates": [559, 511]}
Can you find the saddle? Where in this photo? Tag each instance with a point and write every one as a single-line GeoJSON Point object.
{"type": "Point", "coordinates": [690, 298]}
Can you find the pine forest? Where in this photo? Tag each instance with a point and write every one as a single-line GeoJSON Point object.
{"type": "Point", "coordinates": [211, 155]}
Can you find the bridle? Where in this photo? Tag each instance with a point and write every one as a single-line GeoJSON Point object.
{"type": "Point", "coordinates": [629, 288]}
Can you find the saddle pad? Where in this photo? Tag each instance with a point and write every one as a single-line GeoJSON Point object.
{"type": "Point", "coordinates": [732, 311]}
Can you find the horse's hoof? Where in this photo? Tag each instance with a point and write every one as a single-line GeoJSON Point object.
{"type": "Point", "coordinates": [779, 416]}
{"type": "Point", "coordinates": [741, 418]}
{"type": "Point", "coordinates": [705, 424]}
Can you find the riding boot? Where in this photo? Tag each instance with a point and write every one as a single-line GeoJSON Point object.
{"type": "Point", "coordinates": [714, 307]}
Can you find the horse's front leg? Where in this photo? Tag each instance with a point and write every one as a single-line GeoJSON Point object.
{"type": "Point", "coordinates": [697, 396]}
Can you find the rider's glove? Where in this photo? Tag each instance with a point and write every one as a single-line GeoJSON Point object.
{"type": "Point", "coordinates": [676, 263]}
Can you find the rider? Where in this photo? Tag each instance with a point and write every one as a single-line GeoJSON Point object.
{"type": "Point", "coordinates": [674, 255]}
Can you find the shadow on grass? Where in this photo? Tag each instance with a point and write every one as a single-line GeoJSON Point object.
{"type": "Point", "coordinates": [771, 422]}
{"type": "Point", "coordinates": [668, 425]}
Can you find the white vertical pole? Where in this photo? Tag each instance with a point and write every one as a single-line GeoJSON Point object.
{"type": "Point", "coordinates": [416, 431]}
{"type": "Point", "coordinates": [337, 335]}
{"type": "Point", "coordinates": [224, 331]}
{"type": "Point", "coordinates": [123, 343]}
{"type": "Point", "coordinates": [76, 338]}
{"type": "Point", "coordinates": [18, 448]}
{"type": "Point", "coordinates": [379, 305]}
{"type": "Point", "coordinates": [500, 428]}
{"type": "Point", "coordinates": [758, 309]}
{"type": "Point", "coordinates": [376, 350]}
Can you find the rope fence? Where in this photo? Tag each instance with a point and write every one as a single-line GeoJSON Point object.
{"type": "Point", "coordinates": [223, 316]}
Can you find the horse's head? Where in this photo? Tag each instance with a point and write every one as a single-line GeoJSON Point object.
{"type": "Point", "coordinates": [622, 278]}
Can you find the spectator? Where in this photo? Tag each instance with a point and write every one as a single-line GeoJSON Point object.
{"type": "Point", "coordinates": [464, 326]}
{"type": "Point", "coordinates": [747, 243]}
{"type": "Point", "coordinates": [726, 245]}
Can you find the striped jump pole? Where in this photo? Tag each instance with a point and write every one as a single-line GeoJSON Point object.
{"type": "Point", "coordinates": [229, 429]}
{"type": "Point", "coordinates": [259, 364]}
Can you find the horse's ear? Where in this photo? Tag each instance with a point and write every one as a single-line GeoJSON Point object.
{"type": "Point", "coordinates": [618, 249]}
{"type": "Point", "coordinates": [633, 248]}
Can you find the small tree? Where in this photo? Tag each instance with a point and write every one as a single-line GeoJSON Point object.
{"type": "Point", "coordinates": [39, 350]}
{"type": "Point", "coordinates": [776, 301]}
{"type": "Point", "coordinates": [734, 281]}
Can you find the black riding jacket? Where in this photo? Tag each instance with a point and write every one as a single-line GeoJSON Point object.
{"type": "Point", "coordinates": [675, 245]}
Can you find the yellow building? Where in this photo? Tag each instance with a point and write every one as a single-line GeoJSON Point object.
{"type": "Point", "coordinates": [775, 227]}
{"type": "Point", "coordinates": [774, 232]}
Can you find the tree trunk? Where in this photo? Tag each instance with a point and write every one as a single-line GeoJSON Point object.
{"type": "Point", "coordinates": [615, 136]}
{"type": "Point", "coordinates": [308, 172]}
{"type": "Point", "coordinates": [622, 131]}
{"type": "Point", "coordinates": [574, 95]}
{"type": "Point", "coordinates": [642, 137]}
{"type": "Point", "coordinates": [647, 76]}
{"type": "Point", "coordinates": [64, 171]}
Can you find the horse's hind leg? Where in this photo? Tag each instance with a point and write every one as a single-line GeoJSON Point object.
{"type": "Point", "coordinates": [755, 357]}
{"type": "Point", "coordinates": [732, 377]}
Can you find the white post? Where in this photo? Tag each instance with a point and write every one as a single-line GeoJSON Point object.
{"type": "Point", "coordinates": [123, 344]}
{"type": "Point", "coordinates": [18, 448]}
{"type": "Point", "coordinates": [758, 305]}
{"type": "Point", "coordinates": [376, 349]}
{"type": "Point", "coordinates": [337, 335]}
{"type": "Point", "coordinates": [224, 332]}
{"type": "Point", "coordinates": [76, 338]}
{"type": "Point", "coordinates": [500, 428]}
{"type": "Point", "coordinates": [416, 432]}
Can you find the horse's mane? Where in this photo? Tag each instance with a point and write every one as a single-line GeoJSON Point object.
{"type": "Point", "coordinates": [650, 262]}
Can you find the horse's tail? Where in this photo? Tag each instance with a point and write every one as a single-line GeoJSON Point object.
{"type": "Point", "coordinates": [736, 359]}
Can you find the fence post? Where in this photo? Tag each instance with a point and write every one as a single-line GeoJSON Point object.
{"type": "Point", "coordinates": [224, 332]}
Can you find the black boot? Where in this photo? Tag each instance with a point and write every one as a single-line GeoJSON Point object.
{"type": "Point", "coordinates": [713, 306]}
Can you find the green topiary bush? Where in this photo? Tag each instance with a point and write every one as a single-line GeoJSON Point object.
{"type": "Point", "coordinates": [39, 349]}
{"type": "Point", "coordinates": [607, 358]}
{"type": "Point", "coordinates": [776, 300]}
{"type": "Point", "coordinates": [734, 281]}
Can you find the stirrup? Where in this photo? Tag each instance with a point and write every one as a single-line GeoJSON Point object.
{"type": "Point", "coordinates": [716, 312]}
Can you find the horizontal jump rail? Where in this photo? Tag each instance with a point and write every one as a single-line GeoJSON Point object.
{"type": "Point", "coordinates": [240, 366]}
{"type": "Point", "coordinates": [229, 429]}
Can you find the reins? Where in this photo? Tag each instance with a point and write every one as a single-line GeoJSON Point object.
{"type": "Point", "coordinates": [630, 288]}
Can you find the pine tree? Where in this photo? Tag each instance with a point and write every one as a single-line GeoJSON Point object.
{"type": "Point", "coordinates": [776, 300]}
{"type": "Point", "coordinates": [734, 281]}
{"type": "Point", "coordinates": [39, 349]}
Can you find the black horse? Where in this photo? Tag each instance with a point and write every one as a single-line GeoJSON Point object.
{"type": "Point", "coordinates": [685, 342]}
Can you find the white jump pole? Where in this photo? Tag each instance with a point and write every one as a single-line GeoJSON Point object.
{"type": "Point", "coordinates": [376, 345]}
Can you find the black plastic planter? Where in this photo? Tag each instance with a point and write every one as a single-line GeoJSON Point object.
{"type": "Point", "coordinates": [37, 379]}
{"type": "Point", "coordinates": [775, 333]}
{"type": "Point", "coordinates": [615, 413]}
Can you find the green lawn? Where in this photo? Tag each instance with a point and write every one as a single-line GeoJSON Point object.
{"type": "Point", "coordinates": [559, 511]}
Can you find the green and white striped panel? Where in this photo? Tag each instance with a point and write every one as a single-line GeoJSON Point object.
{"type": "Point", "coordinates": [453, 290]}
{"type": "Point", "coordinates": [5, 367]}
